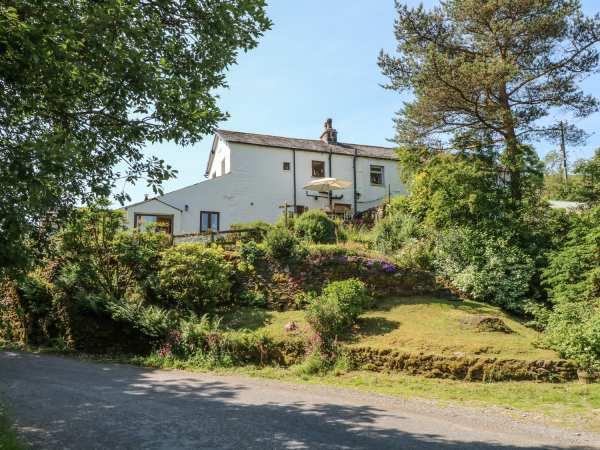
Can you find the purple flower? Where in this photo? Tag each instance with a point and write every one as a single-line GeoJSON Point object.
{"type": "Point", "coordinates": [388, 267]}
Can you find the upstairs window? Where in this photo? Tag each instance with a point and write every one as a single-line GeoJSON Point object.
{"type": "Point", "coordinates": [377, 175]}
{"type": "Point", "coordinates": [209, 221]}
{"type": "Point", "coordinates": [286, 166]}
{"type": "Point", "coordinates": [318, 169]}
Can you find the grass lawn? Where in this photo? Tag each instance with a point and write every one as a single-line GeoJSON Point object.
{"type": "Point", "coordinates": [8, 437]}
{"type": "Point", "coordinates": [417, 324]}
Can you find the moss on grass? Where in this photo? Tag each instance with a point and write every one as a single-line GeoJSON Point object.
{"type": "Point", "coordinates": [418, 324]}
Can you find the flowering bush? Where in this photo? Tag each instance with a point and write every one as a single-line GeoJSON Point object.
{"type": "Point", "coordinates": [385, 266]}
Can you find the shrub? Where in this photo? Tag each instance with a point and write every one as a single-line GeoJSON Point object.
{"type": "Point", "coordinates": [315, 226]}
{"type": "Point", "coordinates": [415, 254]}
{"type": "Point", "coordinates": [394, 230]}
{"type": "Point", "coordinates": [203, 343]}
{"type": "Point", "coordinates": [152, 321]}
{"type": "Point", "coordinates": [138, 252]}
{"type": "Point", "coordinates": [336, 309]}
{"type": "Point", "coordinates": [486, 268]}
{"type": "Point", "coordinates": [195, 276]}
{"type": "Point", "coordinates": [250, 252]}
{"type": "Point", "coordinates": [282, 245]}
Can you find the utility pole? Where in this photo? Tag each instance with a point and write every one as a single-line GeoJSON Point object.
{"type": "Point", "coordinates": [563, 152]}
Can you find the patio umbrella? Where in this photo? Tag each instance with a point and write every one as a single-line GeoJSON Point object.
{"type": "Point", "coordinates": [327, 185]}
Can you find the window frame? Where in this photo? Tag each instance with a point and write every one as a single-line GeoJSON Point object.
{"type": "Point", "coordinates": [381, 173]}
{"type": "Point", "coordinates": [210, 213]}
{"type": "Point", "coordinates": [322, 167]}
{"type": "Point", "coordinates": [170, 218]}
{"type": "Point", "coordinates": [287, 166]}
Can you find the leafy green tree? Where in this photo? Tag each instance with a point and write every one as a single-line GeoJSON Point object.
{"type": "Point", "coordinates": [86, 84]}
{"type": "Point", "coordinates": [491, 68]}
{"type": "Point", "coordinates": [465, 188]}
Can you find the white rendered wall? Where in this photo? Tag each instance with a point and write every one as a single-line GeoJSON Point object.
{"type": "Point", "coordinates": [255, 185]}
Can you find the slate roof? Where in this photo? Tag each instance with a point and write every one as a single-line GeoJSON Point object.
{"type": "Point", "coordinates": [314, 145]}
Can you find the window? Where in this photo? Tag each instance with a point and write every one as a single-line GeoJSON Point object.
{"type": "Point", "coordinates": [209, 220]}
{"type": "Point", "coordinates": [377, 175]}
{"type": "Point", "coordinates": [160, 223]}
{"type": "Point", "coordinates": [223, 166]}
{"type": "Point", "coordinates": [318, 169]}
{"type": "Point", "coordinates": [286, 166]}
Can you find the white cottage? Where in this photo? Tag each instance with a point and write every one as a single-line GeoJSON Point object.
{"type": "Point", "coordinates": [251, 175]}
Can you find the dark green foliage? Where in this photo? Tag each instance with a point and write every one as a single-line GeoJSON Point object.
{"type": "Point", "coordinates": [97, 288]}
{"type": "Point", "coordinates": [85, 85]}
{"type": "Point", "coordinates": [195, 277]}
{"type": "Point", "coordinates": [282, 245]}
{"type": "Point", "coordinates": [333, 312]}
{"type": "Point", "coordinates": [315, 226]}
{"type": "Point", "coordinates": [573, 279]}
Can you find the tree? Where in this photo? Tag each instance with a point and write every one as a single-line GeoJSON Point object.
{"type": "Point", "coordinates": [490, 68]}
{"type": "Point", "coordinates": [84, 85]}
{"type": "Point", "coordinates": [466, 188]}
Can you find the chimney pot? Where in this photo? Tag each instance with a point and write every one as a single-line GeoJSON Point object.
{"type": "Point", "coordinates": [329, 134]}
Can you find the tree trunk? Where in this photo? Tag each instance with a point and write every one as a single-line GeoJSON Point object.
{"type": "Point", "coordinates": [512, 147]}
{"type": "Point", "coordinates": [514, 169]}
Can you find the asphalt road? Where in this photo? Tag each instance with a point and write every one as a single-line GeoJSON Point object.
{"type": "Point", "coordinates": [63, 403]}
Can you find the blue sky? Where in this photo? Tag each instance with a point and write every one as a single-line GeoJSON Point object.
{"type": "Point", "coordinates": [319, 60]}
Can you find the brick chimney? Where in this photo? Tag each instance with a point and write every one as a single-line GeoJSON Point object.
{"type": "Point", "coordinates": [329, 134]}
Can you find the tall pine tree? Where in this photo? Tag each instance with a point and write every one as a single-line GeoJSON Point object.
{"type": "Point", "coordinates": [491, 68]}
